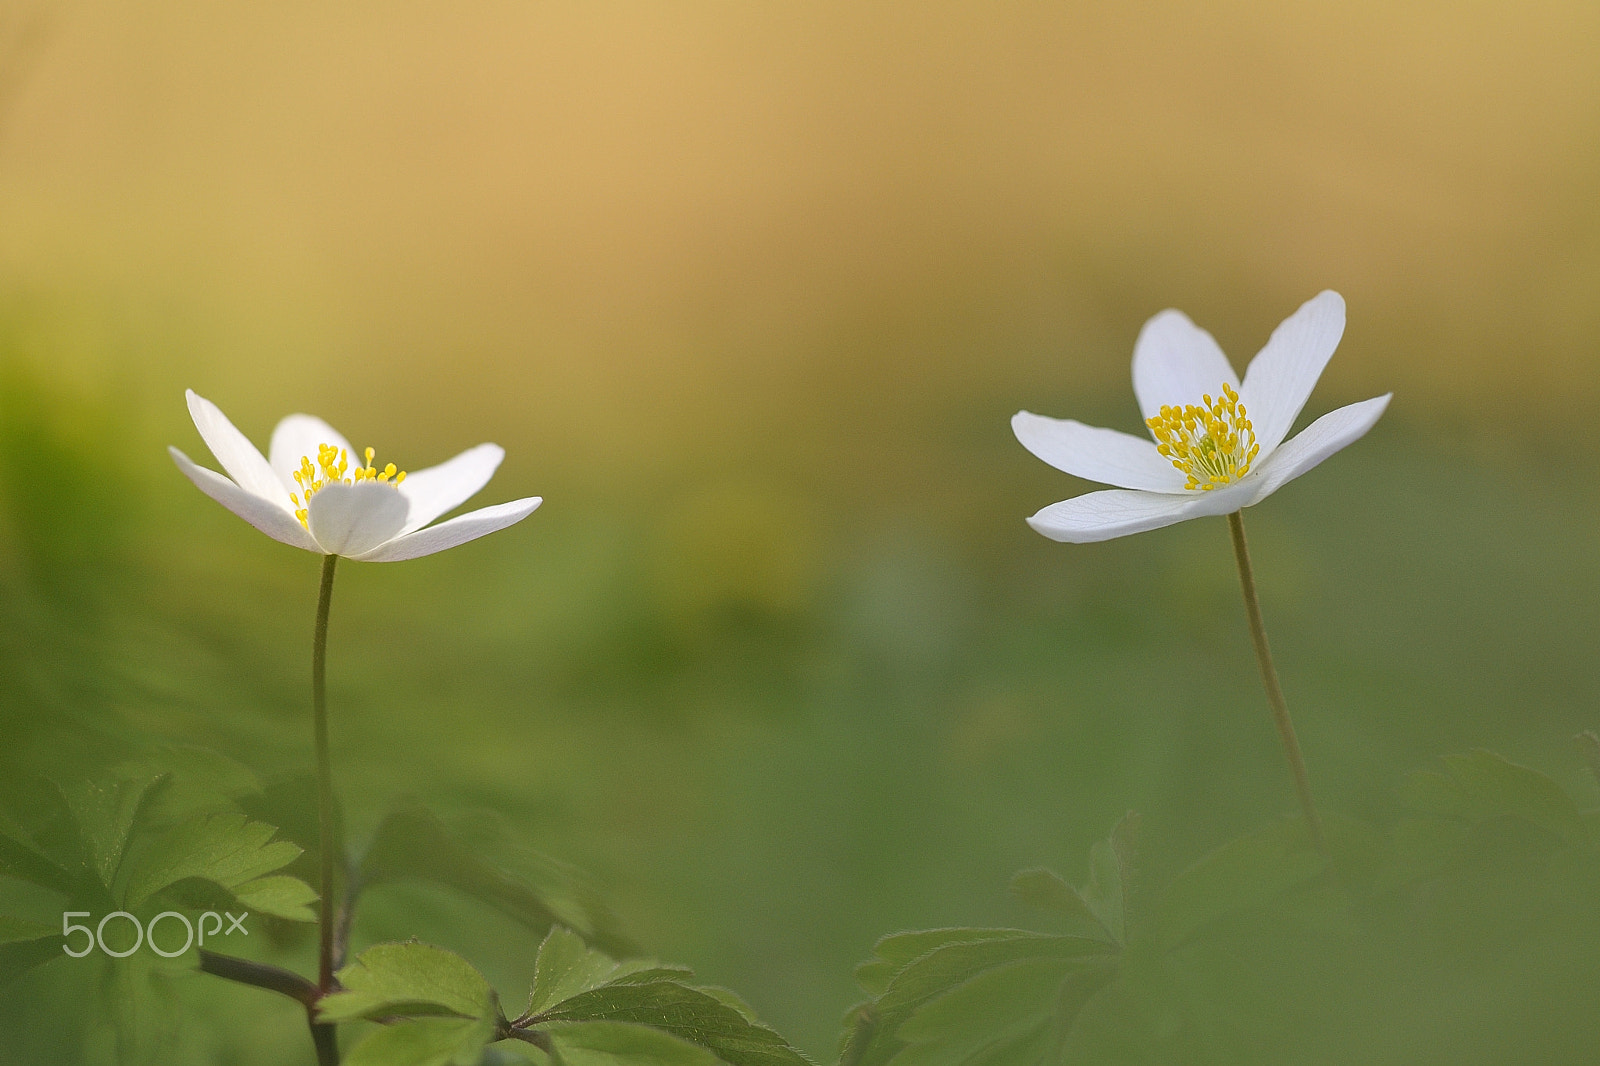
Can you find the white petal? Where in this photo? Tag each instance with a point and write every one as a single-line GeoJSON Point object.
{"type": "Point", "coordinates": [470, 526]}
{"type": "Point", "coordinates": [1279, 380]}
{"type": "Point", "coordinates": [242, 460]}
{"type": "Point", "coordinates": [1176, 362]}
{"type": "Point", "coordinates": [263, 514]}
{"type": "Point", "coordinates": [1316, 442]}
{"type": "Point", "coordinates": [297, 437]}
{"type": "Point", "coordinates": [1102, 455]}
{"type": "Point", "coordinates": [351, 520]}
{"type": "Point", "coordinates": [441, 488]}
{"type": "Point", "coordinates": [1117, 512]}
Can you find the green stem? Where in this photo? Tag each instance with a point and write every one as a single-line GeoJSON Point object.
{"type": "Point", "coordinates": [1269, 678]}
{"type": "Point", "coordinates": [325, 813]}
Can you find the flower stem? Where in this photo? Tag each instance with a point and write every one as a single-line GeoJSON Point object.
{"type": "Point", "coordinates": [325, 812]}
{"type": "Point", "coordinates": [1269, 678]}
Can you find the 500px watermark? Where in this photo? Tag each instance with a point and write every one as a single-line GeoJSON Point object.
{"type": "Point", "coordinates": [146, 934]}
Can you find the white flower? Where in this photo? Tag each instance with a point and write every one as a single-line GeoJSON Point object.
{"type": "Point", "coordinates": [1218, 444]}
{"type": "Point", "coordinates": [309, 494]}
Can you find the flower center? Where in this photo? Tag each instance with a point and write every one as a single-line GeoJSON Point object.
{"type": "Point", "coordinates": [331, 467]}
{"type": "Point", "coordinates": [1213, 444]}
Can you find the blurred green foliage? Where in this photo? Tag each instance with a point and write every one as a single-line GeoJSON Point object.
{"type": "Point", "coordinates": [773, 746]}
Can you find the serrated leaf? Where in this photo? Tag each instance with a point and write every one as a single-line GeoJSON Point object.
{"type": "Point", "coordinates": [412, 843]}
{"type": "Point", "coordinates": [567, 966]}
{"type": "Point", "coordinates": [279, 896]}
{"type": "Point", "coordinates": [226, 849]}
{"type": "Point", "coordinates": [894, 952]}
{"type": "Point", "coordinates": [424, 1042]}
{"type": "Point", "coordinates": [1242, 874]}
{"type": "Point", "coordinates": [683, 1012]}
{"type": "Point", "coordinates": [408, 979]}
{"type": "Point", "coordinates": [105, 811]}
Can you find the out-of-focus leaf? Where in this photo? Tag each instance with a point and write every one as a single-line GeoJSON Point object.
{"type": "Point", "coordinates": [196, 780]}
{"type": "Point", "coordinates": [1001, 1014]}
{"type": "Point", "coordinates": [424, 1042]}
{"type": "Point", "coordinates": [975, 970]}
{"type": "Point", "coordinates": [1049, 891]}
{"type": "Point", "coordinates": [413, 844]}
{"type": "Point", "coordinates": [1425, 846]}
{"type": "Point", "coordinates": [20, 860]}
{"type": "Point", "coordinates": [1479, 785]}
{"type": "Point", "coordinates": [105, 811]}
{"type": "Point", "coordinates": [1110, 875]}
{"type": "Point", "coordinates": [14, 929]}
{"type": "Point", "coordinates": [1101, 907]}
{"type": "Point", "coordinates": [945, 967]}
{"type": "Point", "coordinates": [279, 896]}
{"type": "Point", "coordinates": [18, 956]}
{"type": "Point", "coordinates": [983, 995]}
{"type": "Point", "coordinates": [144, 1010]}
{"type": "Point", "coordinates": [225, 849]}
{"type": "Point", "coordinates": [1242, 874]}
{"type": "Point", "coordinates": [894, 952]}
{"type": "Point", "coordinates": [409, 979]}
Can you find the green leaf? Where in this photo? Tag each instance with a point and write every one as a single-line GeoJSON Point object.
{"type": "Point", "coordinates": [144, 1010]}
{"type": "Point", "coordinates": [14, 929]}
{"type": "Point", "coordinates": [999, 1013]}
{"type": "Point", "coordinates": [567, 966]}
{"type": "Point", "coordinates": [279, 896]}
{"type": "Point", "coordinates": [409, 979]}
{"type": "Point", "coordinates": [197, 780]}
{"type": "Point", "coordinates": [894, 952]}
{"type": "Point", "coordinates": [226, 849]}
{"type": "Point", "coordinates": [105, 812]}
{"type": "Point", "coordinates": [19, 956]}
{"type": "Point", "coordinates": [1241, 875]}
{"type": "Point", "coordinates": [986, 996]}
{"type": "Point", "coordinates": [1110, 875]}
{"type": "Point", "coordinates": [1049, 891]}
{"type": "Point", "coordinates": [22, 861]}
{"type": "Point", "coordinates": [686, 1013]}
{"type": "Point", "coordinates": [620, 1044]}
{"type": "Point", "coordinates": [412, 843]}
{"type": "Point", "coordinates": [597, 1010]}
{"type": "Point", "coordinates": [425, 1042]}
{"type": "Point", "coordinates": [1481, 785]}
{"type": "Point", "coordinates": [1102, 904]}
{"type": "Point", "coordinates": [947, 966]}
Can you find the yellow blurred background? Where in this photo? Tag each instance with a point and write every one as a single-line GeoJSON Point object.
{"type": "Point", "coordinates": [641, 236]}
{"type": "Point", "coordinates": [749, 293]}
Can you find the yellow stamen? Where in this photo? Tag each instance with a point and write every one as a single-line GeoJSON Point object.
{"type": "Point", "coordinates": [330, 467]}
{"type": "Point", "coordinates": [1213, 444]}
